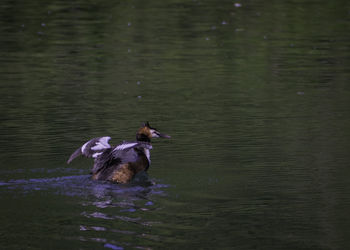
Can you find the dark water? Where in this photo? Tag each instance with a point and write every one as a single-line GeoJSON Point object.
{"type": "Point", "coordinates": [255, 95]}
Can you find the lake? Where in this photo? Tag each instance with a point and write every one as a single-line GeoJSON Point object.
{"type": "Point", "coordinates": [255, 95]}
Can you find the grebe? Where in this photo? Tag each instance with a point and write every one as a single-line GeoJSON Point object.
{"type": "Point", "coordinates": [122, 162]}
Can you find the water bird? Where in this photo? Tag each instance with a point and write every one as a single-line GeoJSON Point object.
{"type": "Point", "coordinates": [122, 162]}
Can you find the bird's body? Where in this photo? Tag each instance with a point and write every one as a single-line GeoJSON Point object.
{"type": "Point", "coordinates": [122, 162]}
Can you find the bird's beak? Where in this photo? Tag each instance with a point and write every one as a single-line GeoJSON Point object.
{"type": "Point", "coordinates": [164, 136]}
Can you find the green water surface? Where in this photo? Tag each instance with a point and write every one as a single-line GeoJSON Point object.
{"type": "Point", "coordinates": [255, 95]}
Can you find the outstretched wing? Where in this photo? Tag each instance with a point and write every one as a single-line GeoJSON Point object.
{"type": "Point", "coordinates": [126, 151]}
{"type": "Point", "coordinates": [92, 148]}
{"type": "Point", "coordinates": [122, 153]}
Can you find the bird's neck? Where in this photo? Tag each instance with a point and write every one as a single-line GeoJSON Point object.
{"type": "Point", "coordinates": [142, 137]}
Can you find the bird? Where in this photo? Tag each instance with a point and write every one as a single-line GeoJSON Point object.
{"type": "Point", "coordinates": [122, 162]}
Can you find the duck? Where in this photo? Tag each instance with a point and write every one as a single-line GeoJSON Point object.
{"type": "Point", "coordinates": [120, 163]}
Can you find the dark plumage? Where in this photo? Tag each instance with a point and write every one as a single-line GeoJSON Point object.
{"type": "Point", "coordinates": [119, 163]}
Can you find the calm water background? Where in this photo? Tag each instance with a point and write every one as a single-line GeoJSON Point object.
{"type": "Point", "coordinates": [255, 94]}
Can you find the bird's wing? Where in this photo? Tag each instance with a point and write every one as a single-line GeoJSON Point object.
{"type": "Point", "coordinates": [126, 150]}
{"type": "Point", "coordinates": [122, 153]}
{"type": "Point", "coordinates": [92, 148]}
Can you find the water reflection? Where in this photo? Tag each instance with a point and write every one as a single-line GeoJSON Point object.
{"type": "Point", "coordinates": [103, 216]}
{"type": "Point", "coordinates": [122, 205]}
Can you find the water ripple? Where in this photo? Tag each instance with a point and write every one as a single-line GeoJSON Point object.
{"type": "Point", "coordinates": [104, 194]}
